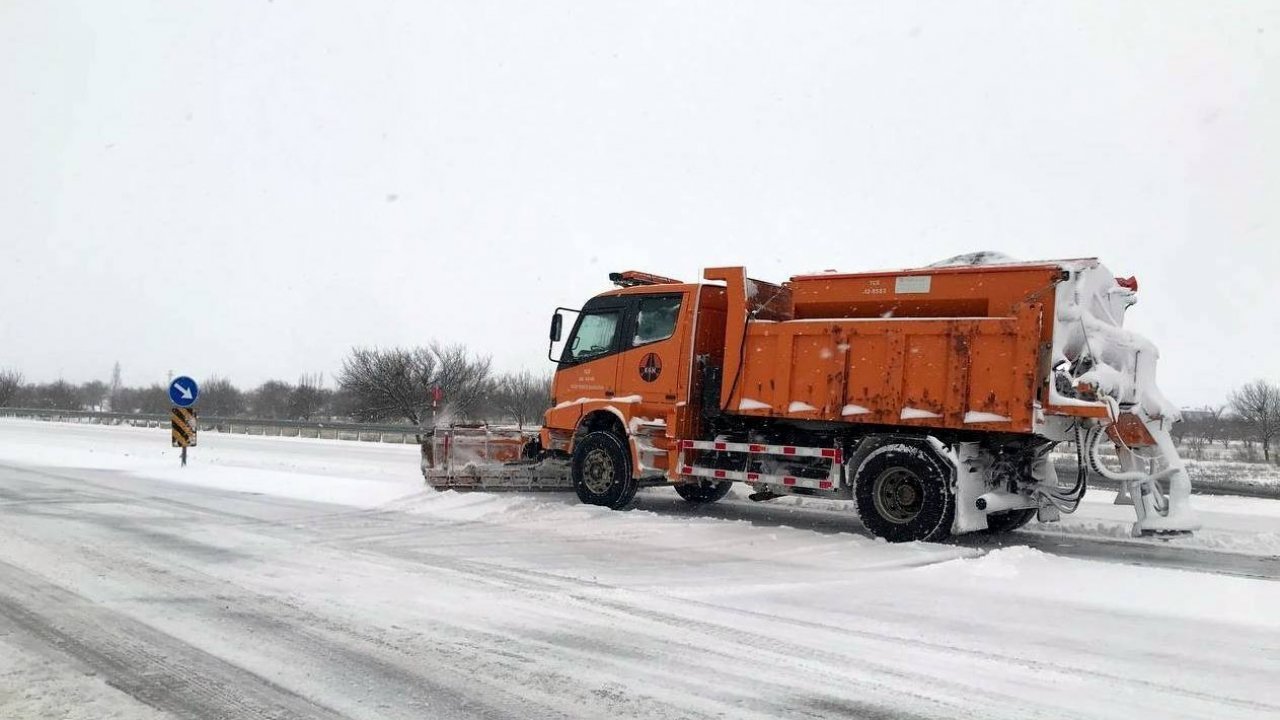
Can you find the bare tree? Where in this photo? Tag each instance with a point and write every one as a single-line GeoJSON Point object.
{"type": "Point", "coordinates": [397, 383]}
{"type": "Point", "coordinates": [60, 395]}
{"type": "Point", "coordinates": [92, 395]}
{"type": "Point", "coordinates": [154, 399]}
{"type": "Point", "coordinates": [343, 403]}
{"type": "Point", "coordinates": [10, 385]}
{"type": "Point", "coordinates": [219, 397]}
{"type": "Point", "coordinates": [271, 399]}
{"type": "Point", "coordinates": [308, 398]}
{"type": "Point", "coordinates": [1257, 404]}
{"type": "Point", "coordinates": [1215, 424]}
{"type": "Point", "coordinates": [521, 396]}
{"type": "Point", "coordinates": [389, 384]}
{"type": "Point", "coordinates": [114, 388]}
{"type": "Point", "coordinates": [464, 380]}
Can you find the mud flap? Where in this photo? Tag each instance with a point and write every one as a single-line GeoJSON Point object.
{"type": "Point", "coordinates": [970, 484]}
{"type": "Point", "coordinates": [1048, 513]}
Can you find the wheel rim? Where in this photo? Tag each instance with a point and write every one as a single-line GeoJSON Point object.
{"type": "Point", "coordinates": [898, 495]}
{"type": "Point", "coordinates": [597, 471]}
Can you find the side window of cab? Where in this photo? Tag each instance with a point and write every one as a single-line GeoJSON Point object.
{"type": "Point", "coordinates": [656, 319]}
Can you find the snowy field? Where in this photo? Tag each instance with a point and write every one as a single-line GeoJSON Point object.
{"type": "Point", "coordinates": [294, 578]}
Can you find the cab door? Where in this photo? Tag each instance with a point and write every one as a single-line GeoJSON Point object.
{"type": "Point", "coordinates": [589, 362]}
{"type": "Point", "coordinates": [655, 352]}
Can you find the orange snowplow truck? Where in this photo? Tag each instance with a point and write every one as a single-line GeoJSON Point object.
{"type": "Point", "coordinates": [932, 397]}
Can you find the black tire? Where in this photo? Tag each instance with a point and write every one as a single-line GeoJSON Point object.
{"type": "Point", "coordinates": [601, 471]}
{"type": "Point", "coordinates": [1009, 520]}
{"type": "Point", "coordinates": [703, 491]}
{"type": "Point", "coordinates": [901, 491]}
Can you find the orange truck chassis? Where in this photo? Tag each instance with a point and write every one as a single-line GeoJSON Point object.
{"type": "Point", "coordinates": [930, 396]}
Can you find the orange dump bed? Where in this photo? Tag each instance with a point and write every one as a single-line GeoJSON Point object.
{"type": "Point", "coordinates": [960, 348]}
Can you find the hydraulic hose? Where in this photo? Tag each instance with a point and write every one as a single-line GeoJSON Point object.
{"type": "Point", "coordinates": [1068, 502]}
{"type": "Point", "coordinates": [1161, 504]}
{"type": "Point", "coordinates": [1096, 465]}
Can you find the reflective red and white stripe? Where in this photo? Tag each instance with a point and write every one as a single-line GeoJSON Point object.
{"type": "Point", "coordinates": [752, 477]}
{"type": "Point", "coordinates": [833, 454]}
{"type": "Point", "coordinates": [830, 482]}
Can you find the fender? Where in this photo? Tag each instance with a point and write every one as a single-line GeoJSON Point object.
{"type": "Point", "coordinates": [568, 421]}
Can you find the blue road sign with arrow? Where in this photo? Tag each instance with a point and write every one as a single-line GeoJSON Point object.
{"type": "Point", "coordinates": [183, 391]}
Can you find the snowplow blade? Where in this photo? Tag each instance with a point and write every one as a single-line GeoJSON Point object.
{"type": "Point", "coordinates": [487, 458]}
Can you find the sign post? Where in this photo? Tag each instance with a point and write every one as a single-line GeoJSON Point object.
{"type": "Point", "coordinates": [183, 391]}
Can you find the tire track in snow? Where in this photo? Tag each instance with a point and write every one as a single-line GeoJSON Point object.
{"type": "Point", "coordinates": [482, 664]}
{"type": "Point", "coordinates": [282, 626]}
{"type": "Point", "coordinates": [148, 665]}
{"type": "Point", "coordinates": [1101, 549]}
{"type": "Point", "coordinates": [506, 578]}
{"type": "Point", "coordinates": [268, 632]}
{"type": "Point", "coordinates": [767, 653]}
{"type": "Point", "coordinates": [587, 595]}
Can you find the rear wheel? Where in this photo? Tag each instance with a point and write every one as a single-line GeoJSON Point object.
{"type": "Point", "coordinates": [601, 471]}
{"type": "Point", "coordinates": [1009, 520]}
{"type": "Point", "coordinates": [901, 492]}
{"type": "Point", "coordinates": [703, 491]}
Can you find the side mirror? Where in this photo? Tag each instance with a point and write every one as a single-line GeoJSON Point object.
{"type": "Point", "coordinates": [557, 325]}
{"type": "Point", "coordinates": [557, 321]}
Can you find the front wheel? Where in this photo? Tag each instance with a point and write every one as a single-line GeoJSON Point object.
{"type": "Point", "coordinates": [902, 495]}
{"type": "Point", "coordinates": [601, 471]}
{"type": "Point", "coordinates": [701, 492]}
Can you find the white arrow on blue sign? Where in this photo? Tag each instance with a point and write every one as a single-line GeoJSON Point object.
{"type": "Point", "coordinates": [183, 391]}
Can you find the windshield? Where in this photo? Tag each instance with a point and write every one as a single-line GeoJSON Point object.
{"type": "Point", "coordinates": [595, 335]}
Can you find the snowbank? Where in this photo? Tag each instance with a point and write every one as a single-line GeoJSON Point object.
{"type": "Point", "coordinates": [333, 471]}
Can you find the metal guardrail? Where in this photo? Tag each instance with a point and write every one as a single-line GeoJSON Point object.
{"type": "Point", "coordinates": [245, 426]}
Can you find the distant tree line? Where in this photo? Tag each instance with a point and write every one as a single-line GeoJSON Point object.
{"type": "Point", "coordinates": [1250, 418]}
{"type": "Point", "coordinates": [421, 386]}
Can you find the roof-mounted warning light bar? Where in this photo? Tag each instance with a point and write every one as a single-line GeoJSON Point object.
{"type": "Point", "coordinates": [633, 278]}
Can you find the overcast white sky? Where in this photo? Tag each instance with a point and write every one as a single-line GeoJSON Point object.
{"type": "Point", "coordinates": [251, 188]}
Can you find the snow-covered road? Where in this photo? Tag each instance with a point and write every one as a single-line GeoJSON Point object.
{"type": "Point", "coordinates": [289, 578]}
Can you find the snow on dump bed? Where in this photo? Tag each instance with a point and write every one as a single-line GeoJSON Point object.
{"type": "Point", "coordinates": [981, 257]}
{"type": "Point", "coordinates": [975, 416]}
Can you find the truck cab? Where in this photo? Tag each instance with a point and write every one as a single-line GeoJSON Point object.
{"type": "Point", "coordinates": [633, 363]}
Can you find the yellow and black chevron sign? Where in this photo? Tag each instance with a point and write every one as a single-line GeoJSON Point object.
{"type": "Point", "coordinates": [184, 427]}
